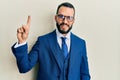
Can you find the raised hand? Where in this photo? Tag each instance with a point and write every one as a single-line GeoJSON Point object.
{"type": "Point", "coordinates": [23, 31]}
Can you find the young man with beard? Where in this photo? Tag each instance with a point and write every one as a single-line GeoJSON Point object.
{"type": "Point", "coordinates": [61, 55]}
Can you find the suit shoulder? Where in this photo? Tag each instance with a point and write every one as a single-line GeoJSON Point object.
{"type": "Point", "coordinates": [78, 38]}
{"type": "Point", "coordinates": [46, 36]}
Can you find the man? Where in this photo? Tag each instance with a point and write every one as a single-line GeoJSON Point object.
{"type": "Point", "coordinates": [61, 55]}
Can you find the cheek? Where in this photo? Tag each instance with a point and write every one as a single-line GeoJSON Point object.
{"type": "Point", "coordinates": [71, 23]}
{"type": "Point", "coordinates": [59, 22]}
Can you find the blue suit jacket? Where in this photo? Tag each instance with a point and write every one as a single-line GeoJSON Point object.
{"type": "Point", "coordinates": [48, 54]}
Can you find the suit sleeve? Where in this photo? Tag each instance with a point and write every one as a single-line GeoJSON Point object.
{"type": "Point", "coordinates": [85, 75]}
{"type": "Point", "coordinates": [25, 61]}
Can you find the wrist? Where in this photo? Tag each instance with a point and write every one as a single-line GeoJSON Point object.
{"type": "Point", "coordinates": [21, 42]}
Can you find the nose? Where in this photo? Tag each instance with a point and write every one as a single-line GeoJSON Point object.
{"type": "Point", "coordinates": [65, 20]}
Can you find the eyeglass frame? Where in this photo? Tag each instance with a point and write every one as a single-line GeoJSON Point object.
{"type": "Point", "coordinates": [63, 17]}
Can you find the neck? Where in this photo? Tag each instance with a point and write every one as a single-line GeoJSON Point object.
{"type": "Point", "coordinates": [64, 34]}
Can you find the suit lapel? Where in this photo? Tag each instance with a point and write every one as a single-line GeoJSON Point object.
{"type": "Point", "coordinates": [57, 53]}
{"type": "Point", "coordinates": [73, 52]}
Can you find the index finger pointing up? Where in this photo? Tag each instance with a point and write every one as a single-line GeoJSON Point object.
{"type": "Point", "coordinates": [28, 20]}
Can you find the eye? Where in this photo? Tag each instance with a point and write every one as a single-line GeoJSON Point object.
{"type": "Point", "coordinates": [60, 16]}
{"type": "Point", "coordinates": [70, 18]}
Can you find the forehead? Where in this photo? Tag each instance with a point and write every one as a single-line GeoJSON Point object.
{"type": "Point", "coordinates": [66, 11]}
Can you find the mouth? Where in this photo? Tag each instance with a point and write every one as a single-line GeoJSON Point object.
{"type": "Point", "coordinates": [64, 27]}
{"type": "Point", "coordinates": [63, 24]}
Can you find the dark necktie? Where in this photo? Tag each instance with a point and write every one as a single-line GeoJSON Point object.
{"type": "Point", "coordinates": [64, 47]}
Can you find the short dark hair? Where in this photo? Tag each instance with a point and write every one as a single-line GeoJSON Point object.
{"type": "Point", "coordinates": [65, 4]}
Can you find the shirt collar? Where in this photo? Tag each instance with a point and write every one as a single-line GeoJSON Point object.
{"type": "Point", "coordinates": [59, 35]}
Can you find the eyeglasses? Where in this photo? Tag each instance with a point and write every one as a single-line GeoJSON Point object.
{"type": "Point", "coordinates": [62, 17]}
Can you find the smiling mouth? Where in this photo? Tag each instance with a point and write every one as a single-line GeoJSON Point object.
{"type": "Point", "coordinates": [64, 27]}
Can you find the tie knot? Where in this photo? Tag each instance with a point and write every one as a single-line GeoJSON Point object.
{"type": "Point", "coordinates": [63, 38]}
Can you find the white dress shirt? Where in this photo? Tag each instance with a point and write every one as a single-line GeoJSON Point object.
{"type": "Point", "coordinates": [18, 45]}
{"type": "Point", "coordinates": [59, 35]}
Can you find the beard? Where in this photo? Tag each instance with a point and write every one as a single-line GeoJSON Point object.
{"type": "Point", "coordinates": [63, 31]}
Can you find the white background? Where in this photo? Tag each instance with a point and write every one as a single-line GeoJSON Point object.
{"type": "Point", "coordinates": [97, 21]}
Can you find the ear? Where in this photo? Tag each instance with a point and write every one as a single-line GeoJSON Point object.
{"type": "Point", "coordinates": [74, 20]}
{"type": "Point", "coordinates": [56, 18]}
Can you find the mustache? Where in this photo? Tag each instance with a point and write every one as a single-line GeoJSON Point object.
{"type": "Point", "coordinates": [63, 24]}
